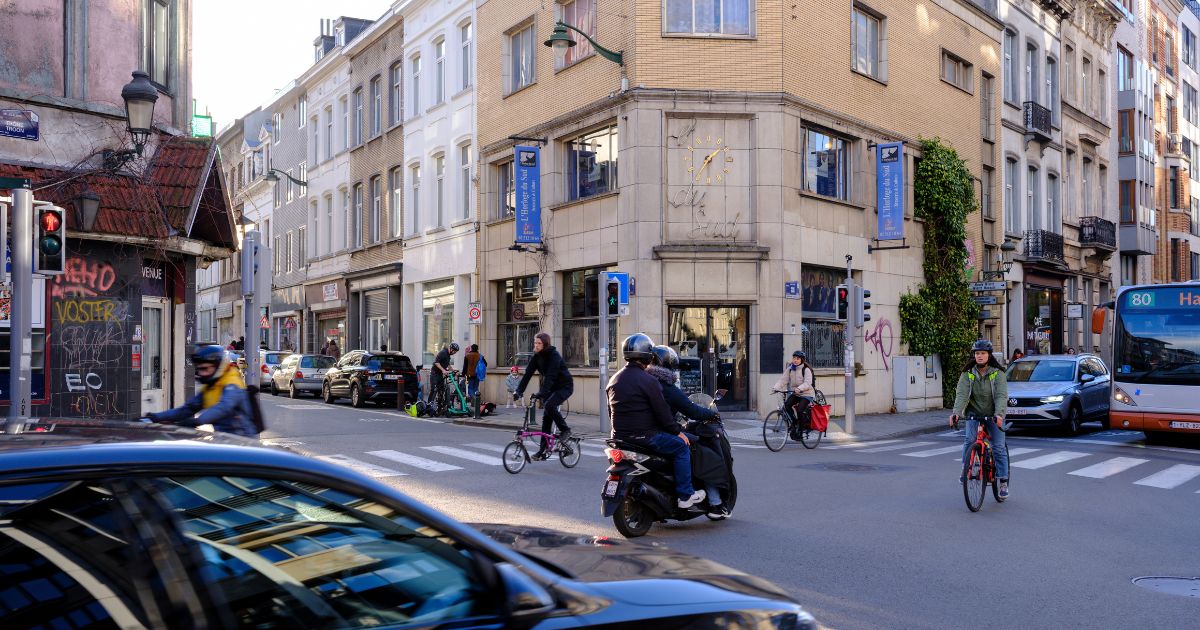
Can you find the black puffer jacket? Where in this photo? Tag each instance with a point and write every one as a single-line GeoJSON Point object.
{"type": "Point", "coordinates": [675, 397]}
{"type": "Point", "coordinates": [637, 407]}
{"type": "Point", "coordinates": [555, 375]}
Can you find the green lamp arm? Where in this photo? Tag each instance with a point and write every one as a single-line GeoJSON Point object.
{"type": "Point", "coordinates": [615, 57]}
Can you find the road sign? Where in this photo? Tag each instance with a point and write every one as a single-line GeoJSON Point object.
{"type": "Point", "coordinates": [986, 314]}
{"type": "Point", "coordinates": [263, 323]}
{"type": "Point", "coordinates": [622, 279]}
{"type": "Point", "coordinates": [475, 313]}
{"type": "Point", "coordinates": [984, 299]}
{"type": "Point", "coordinates": [19, 123]}
{"type": "Point", "coordinates": [987, 286]}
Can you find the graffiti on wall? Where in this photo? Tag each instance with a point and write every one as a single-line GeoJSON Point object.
{"type": "Point", "coordinates": [84, 278]}
{"type": "Point", "coordinates": [80, 311]}
{"type": "Point", "coordinates": [881, 339]}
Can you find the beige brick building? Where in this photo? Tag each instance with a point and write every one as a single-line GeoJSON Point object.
{"type": "Point", "coordinates": [746, 154]}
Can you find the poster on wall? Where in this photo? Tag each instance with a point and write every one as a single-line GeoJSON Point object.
{"type": "Point", "coordinates": [39, 304]}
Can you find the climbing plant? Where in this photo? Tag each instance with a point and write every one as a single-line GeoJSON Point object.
{"type": "Point", "coordinates": [940, 318]}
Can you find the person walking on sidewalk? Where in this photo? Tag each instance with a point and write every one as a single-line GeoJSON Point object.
{"type": "Point", "coordinates": [470, 364]}
{"type": "Point", "coordinates": [982, 392]}
{"type": "Point", "coordinates": [557, 386]}
{"type": "Point", "coordinates": [511, 384]}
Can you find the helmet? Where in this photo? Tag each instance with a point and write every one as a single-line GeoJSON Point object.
{"type": "Point", "coordinates": [981, 344]}
{"type": "Point", "coordinates": [638, 347]}
{"type": "Point", "coordinates": [454, 347]}
{"type": "Point", "coordinates": [666, 357]}
{"type": "Point", "coordinates": [211, 355]}
{"type": "Point", "coordinates": [801, 354]}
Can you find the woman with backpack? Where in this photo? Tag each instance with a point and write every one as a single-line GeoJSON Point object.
{"type": "Point", "coordinates": [797, 380]}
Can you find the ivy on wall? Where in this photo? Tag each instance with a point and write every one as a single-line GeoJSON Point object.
{"type": "Point", "coordinates": [940, 318]}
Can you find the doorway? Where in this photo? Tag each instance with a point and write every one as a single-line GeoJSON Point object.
{"type": "Point", "coordinates": [713, 346]}
{"type": "Point", "coordinates": [154, 350]}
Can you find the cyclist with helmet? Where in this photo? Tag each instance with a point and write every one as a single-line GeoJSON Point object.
{"type": "Point", "coordinates": [797, 379]}
{"type": "Point", "coordinates": [556, 387]}
{"type": "Point", "coordinates": [982, 392]}
{"type": "Point", "coordinates": [640, 415]}
{"type": "Point", "coordinates": [437, 375]}
{"type": "Point", "coordinates": [222, 400]}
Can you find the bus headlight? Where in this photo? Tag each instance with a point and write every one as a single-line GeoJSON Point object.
{"type": "Point", "coordinates": [1120, 396]}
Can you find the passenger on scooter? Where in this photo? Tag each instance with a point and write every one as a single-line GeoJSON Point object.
{"type": "Point", "coordinates": [666, 363]}
{"type": "Point", "coordinates": [640, 415]}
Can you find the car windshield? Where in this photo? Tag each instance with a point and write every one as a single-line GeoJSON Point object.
{"type": "Point", "coordinates": [1040, 371]}
{"type": "Point", "coordinates": [388, 362]}
{"type": "Point", "coordinates": [317, 362]}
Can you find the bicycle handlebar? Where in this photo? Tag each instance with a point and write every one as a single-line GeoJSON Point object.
{"type": "Point", "coordinates": [985, 419]}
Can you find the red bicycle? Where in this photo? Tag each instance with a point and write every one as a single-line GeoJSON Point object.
{"type": "Point", "coordinates": [980, 469]}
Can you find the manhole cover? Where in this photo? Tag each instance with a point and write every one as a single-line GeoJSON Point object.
{"type": "Point", "coordinates": [1185, 586]}
{"type": "Point", "coordinates": [852, 468]}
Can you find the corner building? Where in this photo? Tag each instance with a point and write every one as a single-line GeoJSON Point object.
{"type": "Point", "coordinates": [726, 159]}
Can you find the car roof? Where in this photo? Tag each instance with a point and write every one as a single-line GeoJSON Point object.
{"type": "Point", "coordinates": [1057, 357]}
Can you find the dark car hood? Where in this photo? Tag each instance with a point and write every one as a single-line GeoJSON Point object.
{"type": "Point", "coordinates": [600, 559]}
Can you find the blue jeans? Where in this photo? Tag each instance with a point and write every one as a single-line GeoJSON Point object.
{"type": "Point", "coordinates": [671, 446]}
{"type": "Point", "coordinates": [998, 451]}
{"type": "Point", "coordinates": [472, 386]}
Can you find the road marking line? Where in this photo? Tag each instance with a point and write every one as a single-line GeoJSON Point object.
{"type": "Point", "coordinates": [371, 470]}
{"type": "Point", "coordinates": [490, 460]}
{"type": "Point", "coordinates": [1049, 459]}
{"type": "Point", "coordinates": [1109, 467]}
{"type": "Point", "coordinates": [937, 451]}
{"type": "Point", "coordinates": [301, 406]}
{"type": "Point", "coordinates": [739, 445]}
{"type": "Point", "coordinates": [413, 460]}
{"type": "Point", "coordinates": [1176, 475]}
{"type": "Point", "coordinates": [893, 447]}
{"type": "Point", "coordinates": [1013, 452]}
{"type": "Point", "coordinates": [860, 444]}
{"type": "Point", "coordinates": [499, 448]}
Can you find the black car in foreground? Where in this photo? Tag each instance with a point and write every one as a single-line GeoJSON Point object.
{"type": "Point", "coordinates": [111, 525]}
{"type": "Point", "coordinates": [365, 376]}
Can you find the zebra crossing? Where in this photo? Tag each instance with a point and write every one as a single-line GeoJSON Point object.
{"type": "Point", "coordinates": [439, 458]}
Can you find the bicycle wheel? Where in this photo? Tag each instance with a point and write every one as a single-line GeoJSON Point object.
{"type": "Point", "coordinates": [973, 484]}
{"type": "Point", "coordinates": [565, 408]}
{"type": "Point", "coordinates": [996, 481]}
{"type": "Point", "coordinates": [569, 452]}
{"type": "Point", "coordinates": [515, 456]}
{"type": "Point", "coordinates": [775, 430]}
{"type": "Point", "coordinates": [810, 438]}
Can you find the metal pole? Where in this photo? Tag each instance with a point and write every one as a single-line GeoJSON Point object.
{"type": "Point", "coordinates": [852, 331]}
{"type": "Point", "coordinates": [250, 306]}
{"type": "Point", "coordinates": [602, 301]}
{"type": "Point", "coordinates": [21, 306]}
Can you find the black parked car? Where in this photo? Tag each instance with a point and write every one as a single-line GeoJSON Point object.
{"type": "Point", "coordinates": [112, 525]}
{"type": "Point", "coordinates": [375, 376]}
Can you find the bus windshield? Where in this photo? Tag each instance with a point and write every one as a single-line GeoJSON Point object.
{"type": "Point", "coordinates": [1158, 336]}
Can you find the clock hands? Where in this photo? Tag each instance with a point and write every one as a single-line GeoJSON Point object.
{"type": "Point", "coordinates": [704, 164]}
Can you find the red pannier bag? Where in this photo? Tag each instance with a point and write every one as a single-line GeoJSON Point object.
{"type": "Point", "coordinates": [820, 418]}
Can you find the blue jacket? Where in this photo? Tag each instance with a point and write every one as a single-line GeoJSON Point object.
{"type": "Point", "coordinates": [230, 415]}
{"type": "Point", "coordinates": [675, 397]}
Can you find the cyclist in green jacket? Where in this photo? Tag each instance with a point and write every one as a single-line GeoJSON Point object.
{"type": "Point", "coordinates": [982, 392]}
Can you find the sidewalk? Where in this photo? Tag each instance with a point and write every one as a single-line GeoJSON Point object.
{"type": "Point", "coordinates": [741, 424]}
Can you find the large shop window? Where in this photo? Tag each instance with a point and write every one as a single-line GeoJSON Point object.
{"type": "Point", "coordinates": [826, 164]}
{"type": "Point", "coordinates": [822, 336]}
{"type": "Point", "coordinates": [581, 320]}
{"type": "Point", "coordinates": [517, 320]}
{"type": "Point", "coordinates": [592, 164]}
{"type": "Point", "coordinates": [437, 301]}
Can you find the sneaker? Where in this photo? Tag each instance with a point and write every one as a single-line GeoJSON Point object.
{"type": "Point", "coordinates": [540, 456]}
{"type": "Point", "coordinates": [564, 436]}
{"type": "Point", "coordinates": [696, 497]}
{"type": "Point", "coordinates": [1003, 490]}
{"type": "Point", "coordinates": [719, 511]}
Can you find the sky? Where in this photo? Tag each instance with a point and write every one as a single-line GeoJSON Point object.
{"type": "Point", "coordinates": [243, 51]}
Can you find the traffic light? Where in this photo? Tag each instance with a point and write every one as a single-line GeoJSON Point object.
{"type": "Point", "coordinates": [861, 306]}
{"type": "Point", "coordinates": [614, 289]}
{"type": "Point", "coordinates": [50, 246]}
{"type": "Point", "coordinates": [843, 302]}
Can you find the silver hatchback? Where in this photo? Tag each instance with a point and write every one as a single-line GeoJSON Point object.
{"type": "Point", "coordinates": [1060, 390]}
{"type": "Point", "coordinates": [301, 373]}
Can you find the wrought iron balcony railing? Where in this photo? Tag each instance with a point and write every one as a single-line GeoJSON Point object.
{"type": "Point", "coordinates": [1097, 232]}
{"type": "Point", "coordinates": [1038, 120]}
{"type": "Point", "coordinates": [1043, 245]}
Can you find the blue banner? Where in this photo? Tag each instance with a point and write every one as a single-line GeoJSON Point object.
{"type": "Point", "coordinates": [889, 190]}
{"type": "Point", "coordinates": [527, 177]}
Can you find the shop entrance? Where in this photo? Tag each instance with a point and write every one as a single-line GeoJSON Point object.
{"type": "Point", "coordinates": [1043, 320]}
{"type": "Point", "coordinates": [713, 347]}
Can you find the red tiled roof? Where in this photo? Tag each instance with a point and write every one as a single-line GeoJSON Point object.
{"type": "Point", "coordinates": [127, 206]}
{"type": "Point", "coordinates": [177, 169]}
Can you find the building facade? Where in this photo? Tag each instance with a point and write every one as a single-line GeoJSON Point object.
{"type": "Point", "coordinates": [288, 239]}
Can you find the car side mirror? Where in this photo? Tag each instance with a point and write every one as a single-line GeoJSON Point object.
{"type": "Point", "coordinates": [719, 394]}
{"type": "Point", "coordinates": [525, 601]}
{"type": "Point", "coordinates": [1087, 378]}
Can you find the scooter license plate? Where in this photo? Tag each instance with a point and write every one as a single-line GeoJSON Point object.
{"type": "Point", "coordinates": [610, 489]}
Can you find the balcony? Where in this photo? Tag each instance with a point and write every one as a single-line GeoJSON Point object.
{"type": "Point", "coordinates": [1038, 121]}
{"type": "Point", "coordinates": [1098, 233]}
{"type": "Point", "coordinates": [1178, 146]}
{"type": "Point", "coordinates": [1139, 239]}
{"type": "Point", "coordinates": [1043, 245]}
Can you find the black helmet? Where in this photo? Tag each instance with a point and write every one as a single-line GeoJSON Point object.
{"type": "Point", "coordinates": [638, 347]}
{"type": "Point", "coordinates": [982, 344]}
{"type": "Point", "coordinates": [211, 355]}
{"type": "Point", "coordinates": [454, 347]}
{"type": "Point", "coordinates": [666, 357]}
{"type": "Point", "coordinates": [801, 354]}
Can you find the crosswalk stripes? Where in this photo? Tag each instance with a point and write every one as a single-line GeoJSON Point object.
{"type": "Point", "coordinates": [957, 448]}
{"type": "Point", "coordinates": [1172, 477]}
{"type": "Point", "coordinates": [370, 470]}
{"type": "Point", "coordinates": [892, 447]}
{"type": "Point", "coordinates": [1109, 467]}
{"type": "Point", "coordinates": [1017, 452]}
{"type": "Point", "coordinates": [413, 460]}
{"type": "Point", "coordinates": [490, 460]}
{"type": "Point", "coordinates": [858, 444]}
{"type": "Point", "coordinates": [1048, 459]}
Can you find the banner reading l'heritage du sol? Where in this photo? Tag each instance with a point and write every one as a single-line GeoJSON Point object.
{"type": "Point", "coordinates": [527, 174]}
{"type": "Point", "coordinates": [889, 190]}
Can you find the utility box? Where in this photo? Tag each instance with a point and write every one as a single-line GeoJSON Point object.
{"type": "Point", "coordinates": [916, 383]}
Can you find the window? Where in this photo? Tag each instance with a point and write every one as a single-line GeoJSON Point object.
{"type": "Point", "coordinates": [1174, 190]}
{"type": "Point", "coordinates": [301, 111]}
{"type": "Point", "coordinates": [276, 126]}
{"type": "Point", "coordinates": [1010, 196]}
{"type": "Point", "coordinates": [376, 106]}
{"type": "Point", "coordinates": [302, 246]}
{"type": "Point", "coordinates": [1154, 39]}
{"type": "Point", "coordinates": [582, 15]}
{"type": "Point", "coordinates": [1124, 69]}
{"type": "Point", "coordinates": [1053, 206]}
{"type": "Point", "coordinates": [1102, 94]}
{"type": "Point", "coordinates": [1125, 131]}
{"type": "Point", "coordinates": [328, 224]}
{"type": "Point", "coordinates": [439, 172]}
{"type": "Point", "coordinates": [278, 257]}
{"type": "Point", "coordinates": [394, 111]}
{"type": "Point", "coordinates": [291, 188]}
{"type": "Point", "coordinates": [1033, 90]}
{"type": "Point", "coordinates": [156, 49]}
{"type": "Point", "coordinates": [1168, 50]}
{"type": "Point", "coordinates": [708, 17]}
{"type": "Point", "coordinates": [988, 180]}
{"type": "Point", "coordinates": [1069, 72]}
{"type": "Point", "coordinates": [439, 69]}
{"type": "Point", "coordinates": [581, 319]}
{"type": "Point", "coordinates": [516, 320]}
{"type": "Point", "coordinates": [1172, 115]}
{"type": "Point", "coordinates": [1010, 66]}
{"type": "Point", "coordinates": [437, 303]}
{"type": "Point", "coordinates": [1034, 205]}
{"type": "Point", "coordinates": [313, 152]}
{"type": "Point", "coordinates": [329, 133]}
{"type": "Point", "coordinates": [956, 72]}
{"type": "Point", "coordinates": [288, 249]}
{"type": "Point", "coordinates": [415, 183]}
{"type": "Point", "coordinates": [1189, 103]}
{"type": "Point", "coordinates": [866, 42]}
{"type": "Point", "coordinates": [376, 207]}
{"type": "Point", "coordinates": [414, 94]}
{"type": "Point", "coordinates": [826, 164]}
{"type": "Point", "coordinates": [1189, 48]}
{"type": "Point", "coordinates": [356, 212]}
{"type": "Point", "coordinates": [464, 171]}
{"type": "Point", "coordinates": [987, 106]}
{"type": "Point", "coordinates": [592, 164]}
{"type": "Point", "coordinates": [356, 132]}
{"type": "Point", "coordinates": [464, 35]}
{"type": "Point", "coordinates": [1085, 80]}
{"type": "Point", "coordinates": [506, 198]}
{"type": "Point", "coordinates": [1052, 87]}
{"type": "Point", "coordinates": [522, 49]}
{"type": "Point", "coordinates": [396, 185]}
{"type": "Point", "coordinates": [277, 194]}
{"type": "Point", "coordinates": [303, 168]}
{"type": "Point", "coordinates": [1085, 190]}
{"type": "Point", "coordinates": [1102, 188]}
{"type": "Point", "coordinates": [345, 105]}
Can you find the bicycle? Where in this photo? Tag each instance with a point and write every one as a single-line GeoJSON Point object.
{"type": "Point", "coordinates": [980, 469]}
{"type": "Point", "coordinates": [778, 425]}
{"type": "Point", "coordinates": [516, 455]}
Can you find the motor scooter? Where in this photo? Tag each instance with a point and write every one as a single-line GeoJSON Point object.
{"type": "Point", "coordinates": [640, 487]}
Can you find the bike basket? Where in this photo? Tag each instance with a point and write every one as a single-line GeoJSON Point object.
{"type": "Point", "coordinates": [819, 418]}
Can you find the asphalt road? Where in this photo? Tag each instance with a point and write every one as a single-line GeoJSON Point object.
{"type": "Point", "coordinates": [871, 536]}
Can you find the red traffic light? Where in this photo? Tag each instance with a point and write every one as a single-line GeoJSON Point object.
{"type": "Point", "coordinates": [50, 220]}
{"type": "Point", "coordinates": [843, 293]}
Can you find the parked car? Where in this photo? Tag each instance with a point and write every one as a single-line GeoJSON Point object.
{"type": "Point", "coordinates": [375, 376]}
{"type": "Point", "coordinates": [116, 525]}
{"type": "Point", "coordinates": [1063, 390]}
{"type": "Point", "coordinates": [300, 373]}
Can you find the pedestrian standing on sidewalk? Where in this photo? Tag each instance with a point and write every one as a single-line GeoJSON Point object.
{"type": "Point", "coordinates": [470, 363]}
{"type": "Point", "coordinates": [512, 383]}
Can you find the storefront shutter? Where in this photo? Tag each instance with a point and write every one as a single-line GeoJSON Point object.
{"type": "Point", "coordinates": [376, 304]}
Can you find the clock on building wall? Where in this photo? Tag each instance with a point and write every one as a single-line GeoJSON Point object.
{"type": "Point", "coordinates": [707, 196]}
{"type": "Point", "coordinates": [708, 161]}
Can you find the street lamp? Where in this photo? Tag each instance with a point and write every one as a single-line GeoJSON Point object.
{"type": "Point", "coordinates": [1003, 262]}
{"type": "Point", "coordinates": [87, 208]}
{"type": "Point", "coordinates": [139, 96]}
{"type": "Point", "coordinates": [273, 176]}
{"type": "Point", "coordinates": [560, 40]}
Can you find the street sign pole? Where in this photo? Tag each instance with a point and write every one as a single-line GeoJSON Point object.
{"type": "Point", "coordinates": [21, 308]}
{"type": "Point", "coordinates": [602, 302]}
{"type": "Point", "coordinates": [250, 305]}
{"type": "Point", "coordinates": [851, 331]}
